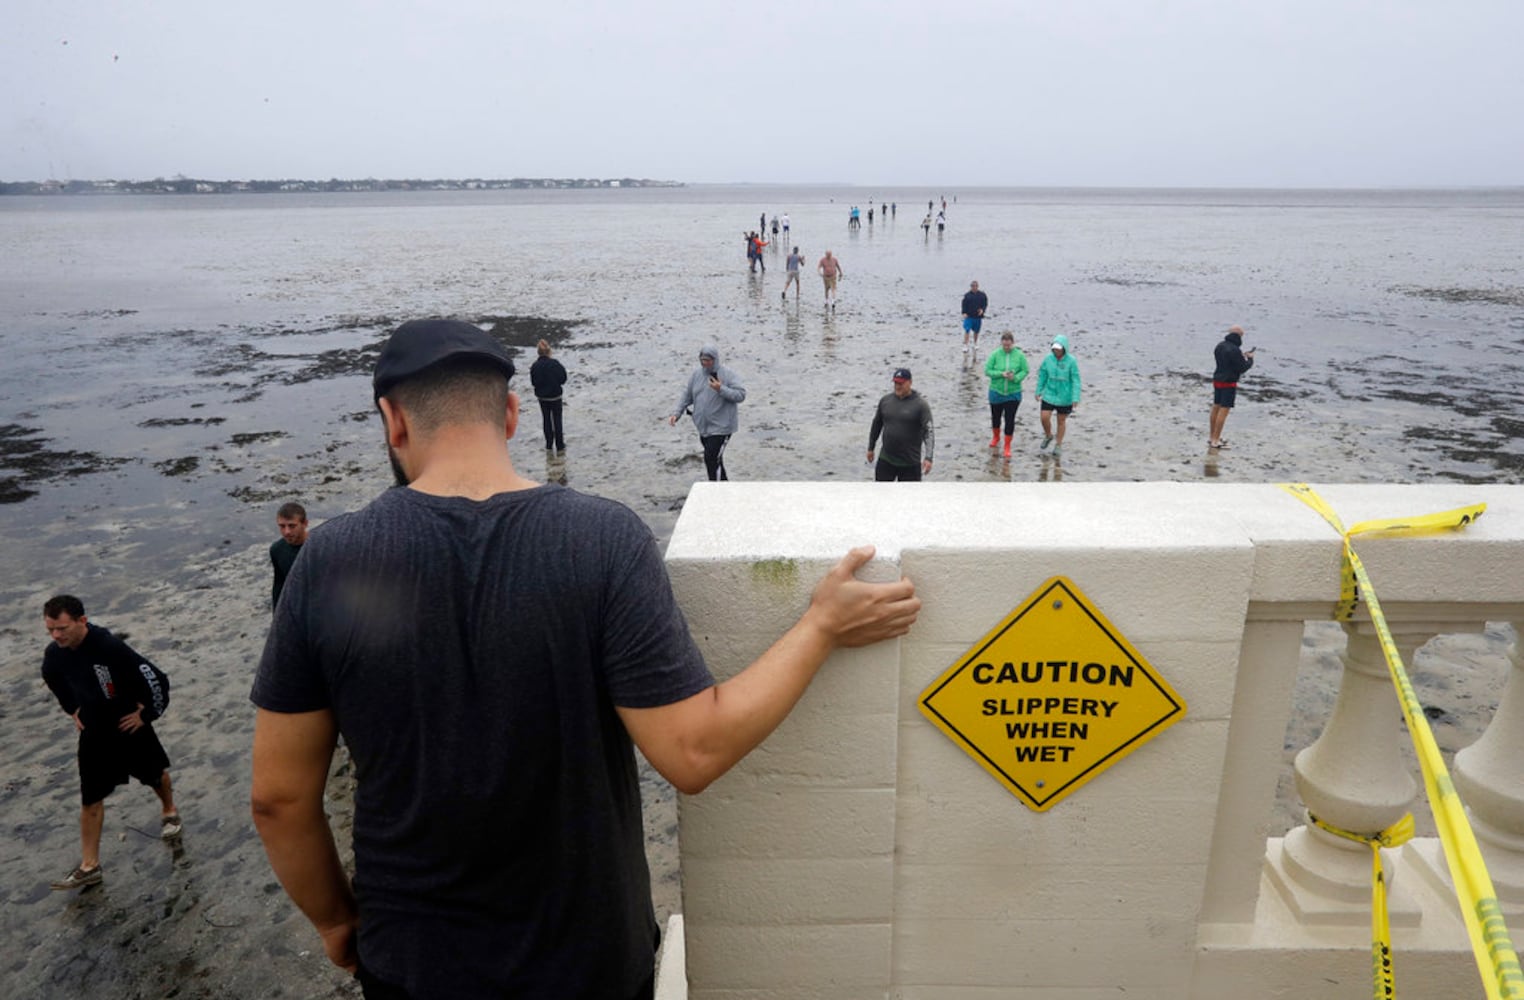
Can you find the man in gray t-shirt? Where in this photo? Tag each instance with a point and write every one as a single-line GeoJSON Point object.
{"type": "Point", "coordinates": [904, 418]}
{"type": "Point", "coordinates": [491, 650]}
{"type": "Point", "coordinates": [795, 259]}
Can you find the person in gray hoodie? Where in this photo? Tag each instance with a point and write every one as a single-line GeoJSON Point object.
{"type": "Point", "coordinates": [711, 395]}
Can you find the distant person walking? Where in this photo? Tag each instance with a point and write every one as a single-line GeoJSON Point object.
{"type": "Point", "coordinates": [548, 376]}
{"type": "Point", "coordinates": [975, 303]}
{"type": "Point", "coordinates": [785, 227]}
{"type": "Point", "coordinates": [794, 262]}
{"type": "Point", "coordinates": [112, 694]}
{"type": "Point", "coordinates": [775, 229]}
{"type": "Point", "coordinates": [291, 521]}
{"type": "Point", "coordinates": [926, 226]}
{"type": "Point", "coordinates": [712, 394]}
{"type": "Point", "coordinates": [1058, 390]}
{"type": "Point", "coordinates": [904, 418]}
{"type": "Point", "coordinates": [829, 269]}
{"type": "Point", "coordinates": [941, 221]}
{"type": "Point", "coordinates": [1232, 362]}
{"type": "Point", "coordinates": [1006, 369]}
{"type": "Point", "coordinates": [754, 245]}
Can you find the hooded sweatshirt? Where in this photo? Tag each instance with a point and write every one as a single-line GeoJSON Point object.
{"type": "Point", "coordinates": [1058, 381]}
{"type": "Point", "coordinates": [1231, 360]}
{"type": "Point", "coordinates": [1002, 389]}
{"type": "Point", "coordinates": [714, 411]}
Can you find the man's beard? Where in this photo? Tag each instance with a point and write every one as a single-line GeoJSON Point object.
{"type": "Point", "coordinates": [397, 473]}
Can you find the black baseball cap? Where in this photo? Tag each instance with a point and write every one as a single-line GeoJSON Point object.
{"type": "Point", "coordinates": [420, 344]}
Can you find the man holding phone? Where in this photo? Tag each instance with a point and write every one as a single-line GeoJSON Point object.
{"type": "Point", "coordinates": [711, 395]}
{"type": "Point", "coordinates": [1232, 362]}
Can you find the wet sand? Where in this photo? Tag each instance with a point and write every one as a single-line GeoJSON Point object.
{"type": "Point", "coordinates": [219, 372]}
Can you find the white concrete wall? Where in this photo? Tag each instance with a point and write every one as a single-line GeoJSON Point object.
{"type": "Point", "coordinates": [861, 853]}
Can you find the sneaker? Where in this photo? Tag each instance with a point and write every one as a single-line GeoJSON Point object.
{"type": "Point", "coordinates": [79, 878]}
{"type": "Point", "coordinates": [169, 826]}
{"type": "Point", "coordinates": [1046, 440]}
{"type": "Point", "coordinates": [1057, 452]}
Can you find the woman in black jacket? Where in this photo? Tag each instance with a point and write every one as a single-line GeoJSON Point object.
{"type": "Point", "coordinates": [548, 376]}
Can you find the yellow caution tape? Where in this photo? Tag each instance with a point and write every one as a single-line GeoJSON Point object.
{"type": "Point", "coordinates": [1491, 946]}
{"type": "Point", "coordinates": [1396, 835]}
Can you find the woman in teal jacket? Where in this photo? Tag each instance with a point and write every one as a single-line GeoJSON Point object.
{"type": "Point", "coordinates": [1058, 390]}
{"type": "Point", "coordinates": [1006, 369]}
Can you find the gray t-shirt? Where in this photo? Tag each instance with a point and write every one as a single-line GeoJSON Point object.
{"type": "Point", "coordinates": [473, 653]}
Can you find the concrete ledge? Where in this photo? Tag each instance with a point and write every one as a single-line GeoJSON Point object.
{"type": "Point", "coordinates": [861, 853]}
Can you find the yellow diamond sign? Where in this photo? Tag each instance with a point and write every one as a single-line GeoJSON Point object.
{"type": "Point", "coordinates": [1051, 697]}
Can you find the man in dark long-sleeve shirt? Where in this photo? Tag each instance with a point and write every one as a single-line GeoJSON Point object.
{"type": "Point", "coordinates": [904, 418]}
{"type": "Point", "coordinates": [975, 303]}
{"type": "Point", "coordinates": [111, 694]}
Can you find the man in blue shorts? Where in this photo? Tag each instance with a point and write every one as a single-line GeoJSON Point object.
{"type": "Point", "coordinates": [1232, 361]}
{"type": "Point", "coordinates": [974, 304]}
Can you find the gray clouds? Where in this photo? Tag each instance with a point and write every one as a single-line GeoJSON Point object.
{"type": "Point", "coordinates": [1290, 93]}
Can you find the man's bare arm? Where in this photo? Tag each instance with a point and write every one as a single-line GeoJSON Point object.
{"type": "Point", "coordinates": [292, 753]}
{"type": "Point", "coordinates": [694, 741]}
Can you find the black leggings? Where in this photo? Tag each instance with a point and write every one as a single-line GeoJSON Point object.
{"type": "Point", "coordinates": [714, 456]}
{"type": "Point", "coordinates": [550, 414]}
{"type": "Point", "coordinates": [1008, 410]}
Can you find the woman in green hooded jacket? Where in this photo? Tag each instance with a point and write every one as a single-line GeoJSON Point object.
{"type": "Point", "coordinates": [1058, 390]}
{"type": "Point", "coordinates": [1006, 369]}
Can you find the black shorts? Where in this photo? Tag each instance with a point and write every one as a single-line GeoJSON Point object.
{"type": "Point", "coordinates": [110, 758]}
{"type": "Point", "coordinates": [1224, 396]}
{"type": "Point", "coordinates": [1065, 410]}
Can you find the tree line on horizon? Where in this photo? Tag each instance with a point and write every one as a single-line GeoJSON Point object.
{"type": "Point", "coordinates": [192, 185]}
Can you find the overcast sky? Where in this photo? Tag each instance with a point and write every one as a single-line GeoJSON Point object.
{"type": "Point", "coordinates": [1278, 93]}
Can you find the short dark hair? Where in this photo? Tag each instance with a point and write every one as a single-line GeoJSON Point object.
{"type": "Point", "coordinates": [292, 511]}
{"type": "Point", "coordinates": [64, 604]}
{"type": "Point", "coordinates": [465, 391]}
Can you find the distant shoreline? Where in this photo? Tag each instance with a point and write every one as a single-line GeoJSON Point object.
{"type": "Point", "coordinates": [191, 185]}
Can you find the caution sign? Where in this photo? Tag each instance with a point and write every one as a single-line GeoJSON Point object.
{"type": "Point", "coordinates": [1051, 697]}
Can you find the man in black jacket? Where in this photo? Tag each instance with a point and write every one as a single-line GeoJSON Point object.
{"type": "Point", "coordinates": [974, 304]}
{"type": "Point", "coordinates": [1232, 362]}
{"type": "Point", "coordinates": [112, 694]}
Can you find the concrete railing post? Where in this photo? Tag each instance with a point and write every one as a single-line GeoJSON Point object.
{"type": "Point", "coordinates": [1351, 777]}
{"type": "Point", "coordinates": [1491, 782]}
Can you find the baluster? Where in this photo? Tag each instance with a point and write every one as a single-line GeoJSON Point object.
{"type": "Point", "coordinates": [1352, 777]}
{"type": "Point", "coordinates": [1489, 775]}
